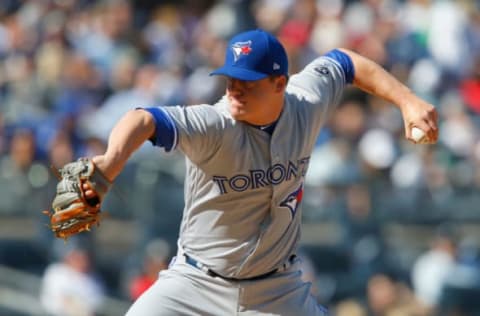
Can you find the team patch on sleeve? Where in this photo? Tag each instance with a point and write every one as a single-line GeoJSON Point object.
{"type": "Point", "coordinates": [345, 62]}
{"type": "Point", "coordinates": [166, 134]}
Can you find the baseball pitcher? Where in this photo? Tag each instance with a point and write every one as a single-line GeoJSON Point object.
{"type": "Point", "coordinates": [246, 157]}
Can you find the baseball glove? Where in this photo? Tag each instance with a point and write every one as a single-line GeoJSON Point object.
{"type": "Point", "coordinates": [73, 212]}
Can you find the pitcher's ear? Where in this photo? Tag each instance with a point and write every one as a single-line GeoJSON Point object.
{"type": "Point", "coordinates": [280, 83]}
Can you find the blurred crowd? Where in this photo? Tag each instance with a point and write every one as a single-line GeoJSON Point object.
{"type": "Point", "coordinates": [71, 68]}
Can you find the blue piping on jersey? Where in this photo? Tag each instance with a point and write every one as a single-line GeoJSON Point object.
{"type": "Point", "coordinates": [345, 62]}
{"type": "Point", "coordinates": [166, 134]}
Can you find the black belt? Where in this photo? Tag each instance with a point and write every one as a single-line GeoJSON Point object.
{"type": "Point", "coordinates": [194, 263]}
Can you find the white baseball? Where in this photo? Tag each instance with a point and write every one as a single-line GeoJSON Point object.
{"type": "Point", "coordinates": [418, 135]}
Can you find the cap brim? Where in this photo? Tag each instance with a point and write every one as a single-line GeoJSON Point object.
{"type": "Point", "coordinates": [238, 73]}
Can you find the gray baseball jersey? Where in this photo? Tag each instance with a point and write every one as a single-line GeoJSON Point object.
{"type": "Point", "coordinates": [244, 187]}
{"type": "Point", "coordinates": [243, 194]}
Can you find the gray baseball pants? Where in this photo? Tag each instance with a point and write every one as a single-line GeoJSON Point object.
{"type": "Point", "coordinates": [186, 290]}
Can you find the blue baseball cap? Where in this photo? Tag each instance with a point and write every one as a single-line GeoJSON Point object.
{"type": "Point", "coordinates": [254, 55]}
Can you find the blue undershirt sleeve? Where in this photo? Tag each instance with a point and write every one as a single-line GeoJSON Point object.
{"type": "Point", "coordinates": [345, 62]}
{"type": "Point", "coordinates": [165, 130]}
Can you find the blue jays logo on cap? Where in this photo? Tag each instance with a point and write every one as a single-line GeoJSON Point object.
{"type": "Point", "coordinates": [254, 55]}
{"type": "Point", "coordinates": [241, 48]}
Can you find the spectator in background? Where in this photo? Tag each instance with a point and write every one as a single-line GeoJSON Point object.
{"type": "Point", "coordinates": [387, 296]}
{"type": "Point", "coordinates": [60, 150]}
{"type": "Point", "coordinates": [350, 307]}
{"type": "Point", "coordinates": [69, 287]}
{"type": "Point", "coordinates": [21, 176]}
{"type": "Point", "coordinates": [462, 286]}
{"type": "Point", "coordinates": [432, 268]}
{"type": "Point", "coordinates": [155, 259]}
{"type": "Point", "coordinates": [144, 92]}
{"type": "Point", "coordinates": [362, 237]}
{"type": "Point", "coordinates": [3, 138]}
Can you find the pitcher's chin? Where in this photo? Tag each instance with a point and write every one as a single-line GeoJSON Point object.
{"type": "Point", "coordinates": [237, 113]}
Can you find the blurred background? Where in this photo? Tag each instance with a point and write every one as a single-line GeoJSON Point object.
{"type": "Point", "coordinates": [390, 228]}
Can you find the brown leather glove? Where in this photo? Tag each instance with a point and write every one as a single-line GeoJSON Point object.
{"type": "Point", "coordinates": [73, 212]}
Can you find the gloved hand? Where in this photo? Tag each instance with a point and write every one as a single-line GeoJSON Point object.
{"type": "Point", "coordinates": [74, 211]}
